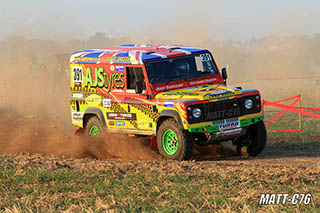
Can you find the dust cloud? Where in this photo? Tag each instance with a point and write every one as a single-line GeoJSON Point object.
{"type": "Point", "coordinates": [34, 105]}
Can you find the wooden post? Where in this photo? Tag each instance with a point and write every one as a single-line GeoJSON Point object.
{"type": "Point", "coordinates": [300, 120]}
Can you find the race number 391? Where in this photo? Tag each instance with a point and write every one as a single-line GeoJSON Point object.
{"type": "Point", "coordinates": [77, 74]}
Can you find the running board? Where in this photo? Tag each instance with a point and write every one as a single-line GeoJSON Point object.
{"type": "Point", "coordinates": [131, 131]}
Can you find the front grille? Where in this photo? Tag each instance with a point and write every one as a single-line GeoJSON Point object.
{"type": "Point", "coordinates": [222, 109]}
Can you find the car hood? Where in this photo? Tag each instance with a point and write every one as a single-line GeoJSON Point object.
{"type": "Point", "coordinates": [207, 92]}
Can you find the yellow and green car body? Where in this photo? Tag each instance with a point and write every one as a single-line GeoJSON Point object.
{"type": "Point", "coordinates": [133, 88]}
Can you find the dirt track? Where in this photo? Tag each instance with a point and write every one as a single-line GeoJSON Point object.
{"type": "Point", "coordinates": [50, 139]}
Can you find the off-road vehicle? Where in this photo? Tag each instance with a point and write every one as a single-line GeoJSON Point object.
{"type": "Point", "coordinates": [175, 93]}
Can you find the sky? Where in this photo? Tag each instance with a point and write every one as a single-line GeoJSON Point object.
{"type": "Point", "coordinates": [218, 19]}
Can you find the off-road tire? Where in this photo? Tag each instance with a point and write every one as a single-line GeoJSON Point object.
{"type": "Point", "coordinates": [184, 147]}
{"type": "Point", "coordinates": [255, 139]}
{"type": "Point", "coordinates": [93, 125]}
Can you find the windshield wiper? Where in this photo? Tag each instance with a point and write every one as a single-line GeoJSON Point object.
{"type": "Point", "coordinates": [216, 87]}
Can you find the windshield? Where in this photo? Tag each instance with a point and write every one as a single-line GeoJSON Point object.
{"type": "Point", "coordinates": [173, 69]}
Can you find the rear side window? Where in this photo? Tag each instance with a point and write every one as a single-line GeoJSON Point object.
{"type": "Point", "coordinates": [135, 74]}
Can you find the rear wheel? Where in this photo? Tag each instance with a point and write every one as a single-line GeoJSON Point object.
{"type": "Point", "coordinates": [93, 127]}
{"type": "Point", "coordinates": [174, 143]}
{"type": "Point", "coordinates": [255, 139]}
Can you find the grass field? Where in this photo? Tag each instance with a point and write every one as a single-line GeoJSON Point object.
{"type": "Point", "coordinates": [289, 164]}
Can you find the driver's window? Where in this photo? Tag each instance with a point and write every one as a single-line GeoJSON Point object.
{"type": "Point", "coordinates": [135, 74]}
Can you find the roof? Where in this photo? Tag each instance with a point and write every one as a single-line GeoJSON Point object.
{"type": "Point", "coordinates": [132, 53]}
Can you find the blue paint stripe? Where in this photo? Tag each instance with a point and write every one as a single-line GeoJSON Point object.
{"type": "Point", "coordinates": [82, 51]}
{"type": "Point", "coordinates": [96, 54]}
{"type": "Point", "coordinates": [146, 57]}
{"type": "Point", "coordinates": [193, 50]}
{"type": "Point", "coordinates": [127, 45]}
{"type": "Point", "coordinates": [86, 62]}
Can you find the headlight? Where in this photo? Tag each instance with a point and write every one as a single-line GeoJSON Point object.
{"type": "Point", "coordinates": [248, 104]}
{"type": "Point", "coordinates": [196, 112]}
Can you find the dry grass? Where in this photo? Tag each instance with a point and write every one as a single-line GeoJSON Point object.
{"type": "Point", "coordinates": [37, 183]}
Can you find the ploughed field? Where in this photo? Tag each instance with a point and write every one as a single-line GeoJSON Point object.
{"type": "Point", "coordinates": [48, 169]}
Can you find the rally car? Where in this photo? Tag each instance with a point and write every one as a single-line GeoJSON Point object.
{"type": "Point", "coordinates": [172, 92]}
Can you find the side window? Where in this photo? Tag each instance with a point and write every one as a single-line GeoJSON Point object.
{"type": "Point", "coordinates": [135, 74]}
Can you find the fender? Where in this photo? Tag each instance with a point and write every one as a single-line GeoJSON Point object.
{"type": "Point", "coordinates": [171, 113]}
{"type": "Point", "coordinates": [97, 112]}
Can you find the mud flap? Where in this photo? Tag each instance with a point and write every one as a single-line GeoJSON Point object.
{"type": "Point", "coordinates": [79, 131]}
{"type": "Point", "coordinates": [153, 144]}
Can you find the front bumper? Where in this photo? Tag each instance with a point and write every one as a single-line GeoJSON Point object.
{"type": "Point", "coordinates": [209, 127]}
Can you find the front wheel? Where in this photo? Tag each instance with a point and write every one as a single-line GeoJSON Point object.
{"type": "Point", "coordinates": [255, 139]}
{"type": "Point", "coordinates": [93, 127]}
{"type": "Point", "coordinates": [173, 142]}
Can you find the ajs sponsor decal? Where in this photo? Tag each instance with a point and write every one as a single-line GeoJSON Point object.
{"type": "Point", "coordinates": [121, 116]}
{"type": "Point", "coordinates": [102, 79]}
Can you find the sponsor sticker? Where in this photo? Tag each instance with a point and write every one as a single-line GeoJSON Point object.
{"type": "Point", "coordinates": [77, 117]}
{"type": "Point", "coordinates": [93, 100]}
{"type": "Point", "coordinates": [121, 116]}
{"type": "Point", "coordinates": [168, 104]}
{"type": "Point", "coordinates": [120, 68]}
{"type": "Point", "coordinates": [77, 95]}
{"type": "Point", "coordinates": [106, 102]}
{"type": "Point", "coordinates": [228, 124]}
{"type": "Point", "coordinates": [120, 123]}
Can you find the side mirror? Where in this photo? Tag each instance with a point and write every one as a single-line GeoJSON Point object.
{"type": "Point", "coordinates": [139, 87]}
{"type": "Point", "coordinates": [224, 73]}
